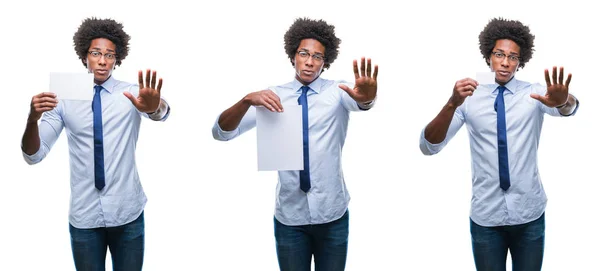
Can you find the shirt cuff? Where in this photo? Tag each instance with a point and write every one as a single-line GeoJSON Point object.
{"type": "Point", "coordinates": [574, 110]}
{"type": "Point", "coordinates": [367, 105]}
{"type": "Point", "coordinates": [427, 147]}
{"type": "Point", "coordinates": [34, 158]}
{"type": "Point", "coordinates": [161, 112]}
{"type": "Point", "coordinates": [222, 135]}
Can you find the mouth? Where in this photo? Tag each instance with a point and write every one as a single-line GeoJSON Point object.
{"type": "Point", "coordinates": [308, 72]}
{"type": "Point", "coordinates": [503, 73]}
{"type": "Point", "coordinates": [101, 72]}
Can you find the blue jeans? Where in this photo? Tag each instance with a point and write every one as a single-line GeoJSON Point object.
{"type": "Point", "coordinates": [126, 244]}
{"type": "Point", "coordinates": [328, 242]}
{"type": "Point", "coordinates": [525, 242]}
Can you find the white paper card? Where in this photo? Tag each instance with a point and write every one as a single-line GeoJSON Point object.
{"type": "Point", "coordinates": [279, 137]}
{"type": "Point", "coordinates": [72, 86]}
{"type": "Point", "coordinates": [485, 78]}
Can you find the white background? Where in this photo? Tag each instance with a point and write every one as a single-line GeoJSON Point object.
{"type": "Point", "coordinates": [210, 209]}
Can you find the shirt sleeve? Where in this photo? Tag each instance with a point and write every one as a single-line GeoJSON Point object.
{"type": "Point", "coordinates": [49, 129]}
{"type": "Point", "coordinates": [248, 122]}
{"type": "Point", "coordinates": [458, 119]}
{"type": "Point", "coordinates": [162, 113]}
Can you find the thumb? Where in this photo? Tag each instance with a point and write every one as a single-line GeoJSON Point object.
{"type": "Point", "coordinates": [346, 89]}
{"type": "Point", "coordinates": [538, 97]}
{"type": "Point", "coordinates": [131, 98]}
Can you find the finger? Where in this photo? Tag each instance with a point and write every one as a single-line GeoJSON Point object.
{"type": "Point", "coordinates": [279, 105]}
{"type": "Point", "coordinates": [368, 67]}
{"type": "Point", "coordinates": [44, 109]}
{"type": "Point", "coordinates": [274, 100]}
{"type": "Point", "coordinates": [159, 85]}
{"type": "Point", "coordinates": [346, 89]}
{"type": "Point", "coordinates": [148, 78]}
{"type": "Point", "coordinates": [45, 104]}
{"type": "Point", "coordinates": [375, 72]}
{"type": "Point", "coordinates": [276, 103]}
{"type": "Point", "coordinates": [45, 100]}
{"type": "Point", "coordinates": [131, 98]}
{"type": "Point", "coordinates": [141, 79]}
{"type": "Point", "coordinates": [466, 93]}
{"type": "Point", "coordinates": [466, 83]}
{"type": "Point", "coordinates": [362, 67]}
{"type": "Point", "coordinates": [547, 76]}
{"type": "Point", "coordinates": [273, 105]}
{"type": "Point", "coordinates": [274, 97]}
{"type": "Point", "coordinates": [540, 98]}
{"type": "Point", "coordinates": [355, 64]}
{"type": "Point", "coordinates": [568, 80]}
{"type": "Point", "coordinates": [466, 90]}
{"type": "Point", "coordinates": [153, 84]}
{"type": "Point", "coordinates": [265, 101]}
{"type": "Point", "coordinates": [46, 94]}
{"type": "Point", "coordinates": [471, 82]}
{"type": "Point", "coordinates": [560, 75]}
{"type": "Point", "coordinates": [554, 75]}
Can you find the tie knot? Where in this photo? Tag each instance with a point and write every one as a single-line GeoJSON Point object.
{"type": "Point", "coordinates": [98, 88]}
{"type": "Point", "coordinates": [304, 89]}
{"type": "Point", "coordinates": [501, 89]}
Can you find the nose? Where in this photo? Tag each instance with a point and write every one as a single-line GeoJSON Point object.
{"type": "Point", "coordinates": [505, 62]}
{"type": "Point", "coordinates": [102, 60]}
{"type": "Point", "coordinates": [309, 61]}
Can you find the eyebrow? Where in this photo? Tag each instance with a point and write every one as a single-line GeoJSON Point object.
{"type": "Point", "coordinates": [98, 49]}
{"type": "Point", "coordinates": [511, 53]}
{"type": "Point", "coordinates": [306, 50]}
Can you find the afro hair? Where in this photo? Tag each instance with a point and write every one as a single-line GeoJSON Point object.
{"type": "Point", "coordinates": [304, 28]}
{"type": "Point", "coordinates": [498, 29]}
{"type": "Point", "coordinates": [93, 28]}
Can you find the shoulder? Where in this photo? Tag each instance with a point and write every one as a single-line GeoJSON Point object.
{"type": "Point", "coordinates": [288, 85]}
{"type": "Point", "coordinates": [124, 85]}
{"type": "Point", "coordinates": [529, 87]}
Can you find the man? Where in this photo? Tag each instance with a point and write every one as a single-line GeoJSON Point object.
{"type": "Point", "coordinates": [311, 216]}
{"type": "Point", "coordinates": [107, 199]}
{"type": "Point", "coordinates": [504, 121]}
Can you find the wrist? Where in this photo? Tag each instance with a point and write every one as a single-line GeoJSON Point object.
{"type": "Point", "coordinates": [247, 101]}
{"type": "Point", "coordinates": [32, 119]}
{"type": "Point", "coordinates": [452, 105]}
{"type": "Point", "coordinates": [367, 103]}
{"type": "Point", "coordinates": [562, 105]}
{"type": "Point", "coordinates": [156, 110]}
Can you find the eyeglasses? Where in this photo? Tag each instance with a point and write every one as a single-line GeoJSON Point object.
{"type": "Point", "coordinates": [511, 58]}
{"type": "Point", "coordinates": [107, 56]}
{"type": "Point", "coordinates": [315, 57]}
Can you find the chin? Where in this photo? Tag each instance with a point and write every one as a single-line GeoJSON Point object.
{"type": "Point", "coordinates": [308, 80]}
{"type": "Point", "coordinates": [100, 79]}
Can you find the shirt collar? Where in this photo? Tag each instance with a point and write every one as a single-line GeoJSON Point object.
{"type": "Point", "coordinates": [109, 84]}
{"type": "Point", "coordinates": [511, 86]}
{"type": "Point", "coordinates": [315, 85]}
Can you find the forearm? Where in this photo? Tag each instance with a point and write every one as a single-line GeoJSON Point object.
{"type": "Point", "coordinates": [231, 118]}
{"type": "Point", "coordinates": [30, 143]}
{"type": "Point", "coordinates": [436, 130]}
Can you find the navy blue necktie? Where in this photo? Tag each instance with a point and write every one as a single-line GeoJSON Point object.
{"type": "Point", "coordinates": [98, 145]}
{"type": "Point", "coordinates": [304, 174]}
{"type": "Point", "coordinates": [502, 143]}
